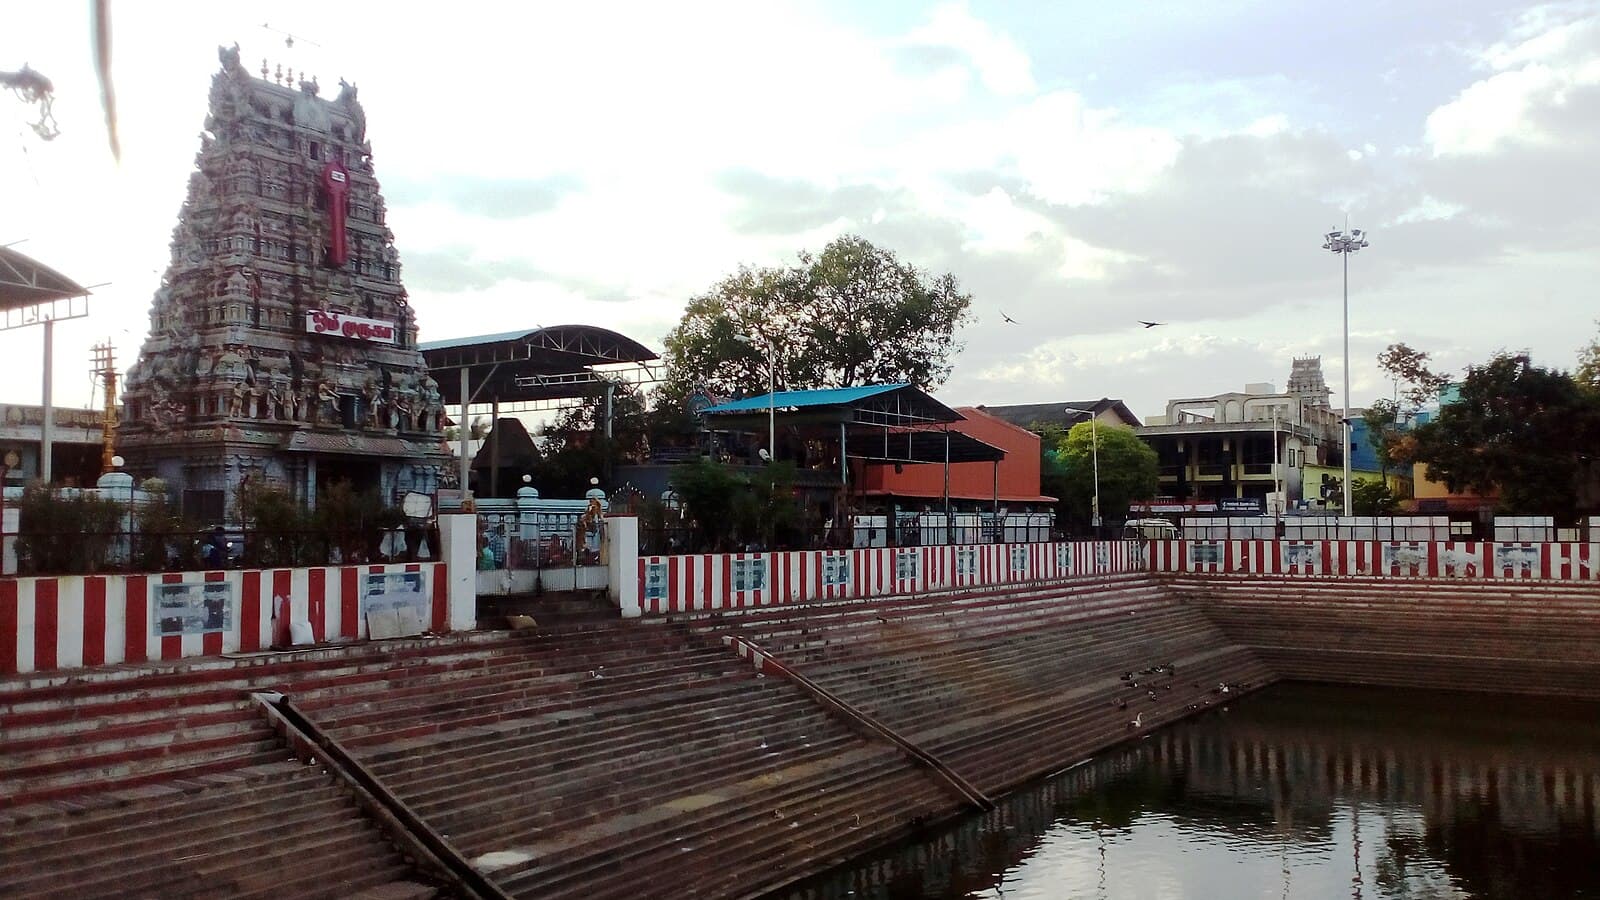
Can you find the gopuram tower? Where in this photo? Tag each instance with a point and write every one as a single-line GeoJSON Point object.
{"type": "Point", "coordinates": [281, 348]}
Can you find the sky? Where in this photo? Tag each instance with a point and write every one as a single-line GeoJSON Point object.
{"type": "Point", "coordinates": [1078, 166]}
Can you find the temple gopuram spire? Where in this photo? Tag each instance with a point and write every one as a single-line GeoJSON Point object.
{"type": "Point", "coordinates": [281, 347]}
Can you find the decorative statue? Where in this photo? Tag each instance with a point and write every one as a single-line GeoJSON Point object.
{"type": "Point", "coordinates": [403, 415]}
{"type": "Point", "coordinates": [274, 400]}
{"type": "Point", "coordinates": [237, 399]}
{"type": "Point", "coordinates": [374, 395]}
{"type": "Point", "coordinates": [328, 396]}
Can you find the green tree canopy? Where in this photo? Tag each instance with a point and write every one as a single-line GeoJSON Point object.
{"type": "Point", "coordinates": [1525, 430]}
{"type": "Point", "coordinates": [1129, 470]}
{"type": "Point", "coordinates": [853, 314]}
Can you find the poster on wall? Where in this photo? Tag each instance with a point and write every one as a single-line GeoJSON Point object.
{"type": "Point", "coordinates": [1205, 553]}
{"type": "Point", "coordinates": [655, 581]}
{"type": "Point", "coordinates": [835, 571]}
{"type": "Point", "coordinates": [1102, 558]}
{"type": "Point", "coordinates": [1408, 559]}
{"type": "Point", "coordinates": [1019, 559]}
{"type": "Point", "coordinates": [1518, 562]}
{"type": "Point", "coordinates": [1306, 556]}
{"type": "Point", "coordinates": [192, 607]}
{"type": "Point", "coordinates": [749, 574]}
{"type": "Point", "coordinates": [395, 604]}
{"type": "Point", "coordinates": [905, 564]}
{"type": "Point", "coordinates": [1064, 558]}
{"type": "Point", "coordinates": [966, 562]}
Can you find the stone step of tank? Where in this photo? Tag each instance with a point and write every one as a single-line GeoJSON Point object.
{"type": "Point", "coordinates": [914, 719]}
{"type": "Point", "coordinates": [129, 768]}
{"type": "Point", "coordinates": [995, 663]}
{"type": "Point", "coordinates": [31, 827]}
{"type": "Point", "coordinates": [707, 743]}
{"type": "Point", "coordinates": [692, 828]}
{"type": "Point", "coordinates": [739, 853]}
{"type": "Point", "coordinates": [708, 696]}
{"type": "Point", "coordinates": [38, 689]}
{"type": "Point", "coordinates": [45, 753]}
{"type": "Point", "coordinates": [602, 805]}
{"type": "Point", "coordinates": [646, 742]}
{"type": "Point", "coordinates": [254, 832]}
{"type": "Point", "coordinates": [967, 623]}
{"type": "Point", "coordinates": [540, 676]}
{"type": "Point", "coordinates": [290, 820]}
{"type": "Point", "coordinates": [441, 717]}
{"type": "Point", "coordinates": [777, 621]}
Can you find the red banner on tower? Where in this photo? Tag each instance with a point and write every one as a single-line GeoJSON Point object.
{"type": "Point", "coordinates": [336, 182]}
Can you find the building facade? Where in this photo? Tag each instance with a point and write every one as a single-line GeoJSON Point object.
{"type": "Point", "coordinates": [1012, 482]}
{"type": "Point", "coordinates": [1246, 444]}
{"type": "Point", "coordinates": [282, 349]}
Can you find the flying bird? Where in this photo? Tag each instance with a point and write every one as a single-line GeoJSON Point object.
{"type": "Point", "coordinates": [1007, 318]}
{"type": "Point", "coordinates": [1150, 324]}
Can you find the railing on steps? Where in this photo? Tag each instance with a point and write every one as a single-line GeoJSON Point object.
{"type": "Point", "coordinates": [765, 662]}
{"type": "Point", "coordinates": [401, 822]}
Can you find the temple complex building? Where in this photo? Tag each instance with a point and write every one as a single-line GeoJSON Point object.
{"type": "Point", "coordinates": [281, 347]}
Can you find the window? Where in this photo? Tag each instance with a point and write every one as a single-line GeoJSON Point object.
{"type": "Point", "coordinates": [316, 150]}
{"type": "Point", "coordinates": [1294, 457]}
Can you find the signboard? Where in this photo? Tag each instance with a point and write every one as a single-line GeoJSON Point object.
{"type": "Point", "coordinates": [395, 604]}
{"type": "Point", "coordinates": [373, 331]}
{"type": "Point", "coordinates": [1254, 505]}
{"type": "Point", "coordinates": [192, 607]}
{"type": "Point", "coordinates": [1171, 506]}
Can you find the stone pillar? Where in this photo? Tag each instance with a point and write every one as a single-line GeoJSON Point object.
{"type": "Point", "coordinates": [622, 563]}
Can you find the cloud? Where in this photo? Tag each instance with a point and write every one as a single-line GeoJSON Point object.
{"type": "Point", "coordinates": [491, 198]}
{"type": "Point", "coordinates": [953, 37]}
{"type": "Point", "coordinates": [1548, 64]}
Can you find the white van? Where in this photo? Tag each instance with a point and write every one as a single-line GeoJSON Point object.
{"type": "Point", "coordinates": [1149, 530]}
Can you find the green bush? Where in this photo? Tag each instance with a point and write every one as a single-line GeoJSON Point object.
{"type": "Point", "coordinates": [67, 532]}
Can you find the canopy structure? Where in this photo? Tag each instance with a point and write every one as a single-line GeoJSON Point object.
{"type": "Point", "coordinates": [32, 293]}
{"type": "Point", "coordinates": [879, 424]}
{"type": "Point", "coordinates": [561, 362]}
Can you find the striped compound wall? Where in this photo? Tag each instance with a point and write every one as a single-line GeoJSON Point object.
{"type": "Point", "coordinates": [1407, 559]}
{"type": "Point", "coordinates": [71, 621]}
{"type": "Point", "coordinates": [669, 584]}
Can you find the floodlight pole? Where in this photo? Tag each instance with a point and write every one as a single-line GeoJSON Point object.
{"type": "Point", "coordinates": [1345, 243]}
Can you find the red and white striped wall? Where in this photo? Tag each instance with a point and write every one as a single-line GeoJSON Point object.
{"type": "Point", "coordinates": [1408, 559]}
{"type": "Point", "coordinates": [69, 621]}
{"type": "Point", "coordinates": [703, 582]}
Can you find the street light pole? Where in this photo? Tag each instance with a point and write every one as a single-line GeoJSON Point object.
{"type": "Point", "coordinates": [1345, 243]}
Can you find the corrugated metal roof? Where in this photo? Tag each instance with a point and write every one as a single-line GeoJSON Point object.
{"type": "Point", "coordinates": [474, 340]}
{"type": "Point", "coordinates": [801, 399]}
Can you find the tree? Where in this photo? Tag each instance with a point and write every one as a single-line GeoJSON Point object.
{"type": "Point", "coordinates": [1415, 383]}
{"type": "Point", "coordinates": [575, 446]}
{"type": "Point", "coordinates": [1373, 497]}
{"type": "Point", "coordinates": [1522, 429]}
{"type": "Point", "coordinates": [730, 507]}
{"type": "Point", "coordinates": [852, 314]}
{"type": "Point", "coordinates": [1053, 478]}
{"type": "Point", "coordinates": [1129, 470]}
{"type": "Point", "coordinates": [1588, 373]}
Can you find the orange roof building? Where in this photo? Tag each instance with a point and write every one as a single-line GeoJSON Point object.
{"type": "Point", "coordinates": [1014, 479]}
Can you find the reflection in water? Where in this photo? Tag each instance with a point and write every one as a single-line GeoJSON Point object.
{"type": "Point", "coordinates": [1304, 791]}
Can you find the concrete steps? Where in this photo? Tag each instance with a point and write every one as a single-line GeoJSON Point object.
{"type": "Point", "coordinates": [278, 830]}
